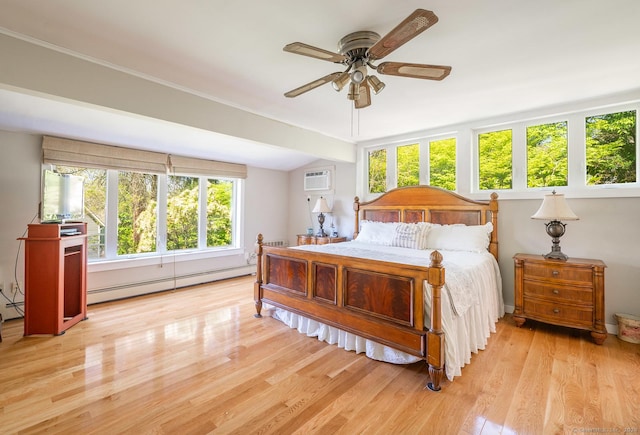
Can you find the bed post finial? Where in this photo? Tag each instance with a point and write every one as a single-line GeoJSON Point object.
{"type": "Point", "coordinates": [257, 287]}
{"type": "Point", "coordinates": [356, 208]}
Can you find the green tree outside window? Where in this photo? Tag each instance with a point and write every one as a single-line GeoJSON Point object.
{"type": "Point", "coordinates": [495, 160]}
{"type": "Point", "coordinates": [442, 163]}
{"type": "Point", "coordinates": [547, 162]}
{"type": "Point", "coordinates": [611, 148]}
{"type": "Point", "coordinates": [378, 171]}
{"type": "Point", "coordinates": [408, 165]}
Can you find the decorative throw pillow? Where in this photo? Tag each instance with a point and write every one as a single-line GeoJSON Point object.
{"type": "Point", "coordinates": [410, 235]}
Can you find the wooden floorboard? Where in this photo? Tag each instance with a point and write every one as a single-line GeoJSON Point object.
{"type": "Point", "coordinates": [196, 361]}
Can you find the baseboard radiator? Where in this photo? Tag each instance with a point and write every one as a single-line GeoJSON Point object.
{"type": "Point", "coordinates": [278, 243]}
{"type": "Point", "coordinates": [127, 290]}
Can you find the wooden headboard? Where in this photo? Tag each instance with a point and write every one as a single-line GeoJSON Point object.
{"type": "Point", "coordinates": [429, 204]}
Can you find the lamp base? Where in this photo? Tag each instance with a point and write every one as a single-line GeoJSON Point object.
{"type": "Point", "coordinates": [556, 255]}
{"type": "Point", "coordinates": [321, 232]}
{"type": "Point", "coordinates": [555, 229]}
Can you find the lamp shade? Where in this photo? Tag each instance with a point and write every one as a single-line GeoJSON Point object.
{"type": "Point", "coordinates": [555, 208]}
{"type": "Point", "coordinates": [321, 206]}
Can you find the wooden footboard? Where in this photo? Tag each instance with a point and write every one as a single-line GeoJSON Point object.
{"type": "Point", "coordinates": [377, 300]}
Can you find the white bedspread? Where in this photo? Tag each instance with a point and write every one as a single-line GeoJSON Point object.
{"type": "Point", "coordinates": [472, 303]}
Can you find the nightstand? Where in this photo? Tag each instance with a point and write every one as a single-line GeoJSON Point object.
{"type": "Point", "coordinates": [567, 293]}
{"type": "Point", "coordinates": [304, 239]}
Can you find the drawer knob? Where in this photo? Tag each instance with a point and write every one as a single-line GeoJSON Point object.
{"type": "Point", "coordinates": [556, 311]}
{"type": "Point", "coordinates": [555, 273]}
{"type": "Point", "coordinates": [555, 291]}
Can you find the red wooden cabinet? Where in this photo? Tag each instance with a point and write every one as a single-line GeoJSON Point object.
{"type": "Point", "coordinates": [55, 277]}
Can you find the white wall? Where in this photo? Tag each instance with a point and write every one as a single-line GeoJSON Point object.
{"type": "Point", "coordinates": [608, 230]}
{"type": "Point", "coordinates": [340, 199]}
{"type": "Point", "coordinates": [19, 202]}
{"type": "Point", "coordinates": [37, 70]}
{"type": "Point", "coordinates": [266, 209]}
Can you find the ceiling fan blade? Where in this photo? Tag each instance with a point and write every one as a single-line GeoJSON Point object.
{"type": "Point", "coordinates": [365, 96]}
{"type": "Point", "coordinates": [311, 51]}
{"type": "Point", "coordinates": [416, 23]}
{"type": "Point", "coordinates": [312, 85]}
{"type": "Point", "coordinates": [415, 70]}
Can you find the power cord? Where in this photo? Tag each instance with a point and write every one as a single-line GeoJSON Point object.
{"type": "Point", "coordinates": [19, 290]}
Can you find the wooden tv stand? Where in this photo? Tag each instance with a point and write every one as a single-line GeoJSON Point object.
{"type": "Point", "coordinates": [55, 277]}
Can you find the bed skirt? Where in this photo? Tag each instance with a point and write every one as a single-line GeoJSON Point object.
{"type": "Point", "coordinates": [464, 335]}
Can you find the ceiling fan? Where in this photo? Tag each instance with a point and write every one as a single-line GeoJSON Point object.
{"type": "Point", "coordinates": [359, 50]}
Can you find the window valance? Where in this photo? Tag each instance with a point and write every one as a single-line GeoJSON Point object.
{"type": "Point", "coordinates": [68, 152]}
{"type": "Point", "coordinates": [191, 166]}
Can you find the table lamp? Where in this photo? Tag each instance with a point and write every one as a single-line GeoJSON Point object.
{"type": "Point", "coordinates": [554, 208]}
{"type": "Point", "coordinates": [321, 207]}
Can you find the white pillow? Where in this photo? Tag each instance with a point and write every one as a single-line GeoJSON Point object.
{"type": "Point", "coordinates": [411, 235]}
{"type": "Point", "coordinates": [460, 237]}
{"type": "Point", "coordinates": [377, 233]}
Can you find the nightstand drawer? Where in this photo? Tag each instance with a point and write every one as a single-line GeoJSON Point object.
{"type": "Point", "coordinates": [559, 272]}
{"type": "Point", "coordinates": [560, 314]}
{"type": "Point", "coordinates": [559, 293]}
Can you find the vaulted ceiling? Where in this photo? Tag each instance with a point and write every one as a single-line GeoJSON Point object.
{"type": "Point", "coordinates": [506, 56]}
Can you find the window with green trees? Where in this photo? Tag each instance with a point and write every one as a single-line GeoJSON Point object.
{"type": "Point", "coordinates": [522, 155]}
{"type": "Point", "coordinates": [378, 171]}
{"type": "Point", "coordinates": [219, 206]}
{"type": "Point", "coordinates": [442, 163]}
{"type": "Point", "coordinates": [611, 148]}
{"type": "Point", "coordinates": [139, 214]}
{"type": "Point", "coordinates": [182, 212]}
{"type": "Point", "coordinates": [547, 162]}
{"type": "Point", "coordinates": [408, 165]}
{"type": "Point", "coordinates": [495, 160]}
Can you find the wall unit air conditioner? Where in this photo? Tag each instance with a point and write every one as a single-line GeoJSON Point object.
{"type": "Point", "coordinates": [317, 180]}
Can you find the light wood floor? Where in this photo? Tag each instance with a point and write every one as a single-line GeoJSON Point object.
{"type": "Point", "coordinates": [196, 361]}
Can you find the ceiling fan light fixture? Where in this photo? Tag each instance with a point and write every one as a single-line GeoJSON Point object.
{"type": "Point", "coordinates": [354, 91]}
{"type": "Point", "coordinates": [376, 85]}
{"type": "Point", "coordinates": [359, 73]}
{"type": "Point", "coordinates": [341, 81]}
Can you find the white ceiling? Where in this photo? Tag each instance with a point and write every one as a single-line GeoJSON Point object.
{"type": "Point", "coordinates": [506, 55]}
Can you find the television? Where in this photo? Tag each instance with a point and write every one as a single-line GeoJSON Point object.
{"type": "Point", "coordinates": [62, 197]}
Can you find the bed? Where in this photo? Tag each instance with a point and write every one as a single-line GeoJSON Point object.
{"type": "Point", "coordinates": [396, 301]}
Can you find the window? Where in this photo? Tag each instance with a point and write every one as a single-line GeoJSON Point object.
{"type": "Point", "coordinates": [442, 163]}
{"type": "Point", "coordinates": [408, 165]}
{"type": "Point", "coordinates": [140, 212]}
{"type": "Point", "coordinates": [137, 212]}
{"type": "Point", "coordinates": [586, 153]}
{"type": "Point", "coordinates": [378, 171]}
{"type": "Point", "coordinates": [547, 162]}
{"type": "Point", "coordinates": [611, 148]}
{"type": "Point", "coordinates": [182, 212]}
{"type": "Point", "coordinates": [495, 160]}
{"type": "Point", "coordinates": [219, 208]}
